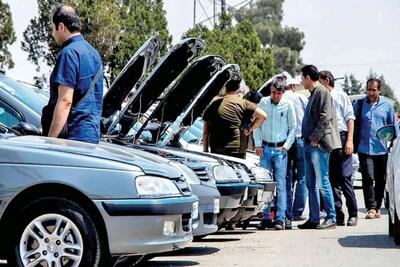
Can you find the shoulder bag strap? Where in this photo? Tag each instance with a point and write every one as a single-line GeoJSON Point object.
{"type": "Point", "coordinates": [93, 83]}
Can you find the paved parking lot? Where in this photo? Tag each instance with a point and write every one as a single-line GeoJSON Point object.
{"type": "Point", "coordinates": [367, 244]}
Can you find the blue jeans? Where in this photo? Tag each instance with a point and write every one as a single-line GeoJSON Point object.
{"type": "Point", "coordinates": [296, 172]}
{"type": "Point", "coordinates": [275, 161]}
{"type": "Point", "coordinates": [317, 178]}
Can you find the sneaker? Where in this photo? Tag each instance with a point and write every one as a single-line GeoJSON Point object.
{"type": "Point", "coordinates": [378, 214]}
{"type": "Point", "coordinates": [279, 225]}
{"type": "Point", "coordinates": [308, 225]}
{"type": "Point", "coordinates": [265, 224]}
{"type": "Point", "coordinates": [288, 224]}
{"type": "Point", "coordinates": [322, 214]}
{"type": "Point", "coordinates": [352, 221]}
{"type": "Point", "coordinates": [299, 218]}
{"type": "Point", "coordinates": [327, 224]}
{"type": "Point", "coordinates": [371, 214]}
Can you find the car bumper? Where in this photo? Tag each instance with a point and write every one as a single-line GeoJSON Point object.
{"type": "Point", "coordinates": [137, 226]}
{"type": "Point", "coordinates": [206, 222]}
{"type": "Point", "coordinates": [232, 196]}
{"type": "Point", "coordinates": [249, 206]}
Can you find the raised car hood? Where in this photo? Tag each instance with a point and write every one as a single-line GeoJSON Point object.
{"type": "Point", "coordinates": [200, 102]}
{"type": "Point", "coordinates": [166, 71]}
{"type": "Point", "coordinates": [38, 150]}
{"type": "Point", "coordinates": [185, 89]}
{"type": "Point", "coordinates": [130, 75]}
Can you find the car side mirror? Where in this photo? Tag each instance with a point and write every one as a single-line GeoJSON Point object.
{"type": "Point", "coordinates": [25, 128]}
{"type": "Point", "coordinates": [386, 133]}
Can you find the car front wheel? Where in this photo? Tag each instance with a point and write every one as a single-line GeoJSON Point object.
{"type": "Point", "coordinates": [55, 232]}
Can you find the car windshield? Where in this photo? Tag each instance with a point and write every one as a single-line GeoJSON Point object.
{"type": "Point", "coordinates": [25, 93]}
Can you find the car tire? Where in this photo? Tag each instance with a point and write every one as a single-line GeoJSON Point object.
{"type": "Point", "coordinates": [396, 231]}
{"type": "Point", "coordinates": [391, 226]}
{"type": "Point", "coordinates": [55, 229]}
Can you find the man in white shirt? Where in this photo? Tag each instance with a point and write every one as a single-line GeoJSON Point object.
{"type": "Point", "coordinates": [296, 166]}
{"type": "Point", "coordinates": [340, 163]}
{"type": "Point", "coordinates": [272, 141]}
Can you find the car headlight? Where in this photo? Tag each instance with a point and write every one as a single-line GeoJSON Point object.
{"type": "Point", "coordinates": [150, 186]}
{"type": "Point", "coordinates": [261, 174]}
{"type": "Point", "coordinates": [189, 175]}
{"type": "Point", "coordinates": [224, 173]}
{"type": "Point", "coordinates": [243, 174]}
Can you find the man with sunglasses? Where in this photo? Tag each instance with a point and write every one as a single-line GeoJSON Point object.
{"type": "Point", "coordinates": [373, 112]}
{"type": "Point", "coordinates": [272, 141]}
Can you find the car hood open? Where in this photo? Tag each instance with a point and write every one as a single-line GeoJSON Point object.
{"type": "Point", "coordinates": [184, 90]}
{"type": "Point", "coordinates": [197, 105]}
{"type": "Point", "coordinates": [132, 72]}
{"type": "Point", "coordinates": [166, 71]}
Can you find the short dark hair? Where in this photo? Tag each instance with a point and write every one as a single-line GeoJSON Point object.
{"type": "Point", "coordinates": [326, 74]}
{"type": "Point", "coordinates": [311, 71]}
{"type": "Point", "coordinates": [279, 83]}
{"type": "Point", "coordinates": [254, 97]}
{"type": "Point", "coordinates": [68, 17]}
{"type": "Point", "coordinates": [233, 84]}
{"type": "Point", "coordinates": [375, 80]}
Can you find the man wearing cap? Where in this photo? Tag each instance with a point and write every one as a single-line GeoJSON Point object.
{"type": "Point", "coordinates": [341, 160]}
{"type": "Point", "coordinates": [296, 167]}
{"type": "Point", "coordinates": [223, 119]}
{"type": "Point", "coordinates": [272, 140]}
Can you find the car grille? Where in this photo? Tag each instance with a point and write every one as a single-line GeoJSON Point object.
{"type": "Point", "coordinates": [201, 172]}
{"type": "Point", "coordinates": [186, 222]}
{"type": "Point", "coordinates": [183, 186]}
{"type": "Point", "coordinates": [244, 167]}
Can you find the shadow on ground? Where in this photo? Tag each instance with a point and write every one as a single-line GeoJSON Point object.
{"type": "Point", "coordinates": [191, 251]}
{"type": "Point", "coordinates": [234, 232]}
{"type": "Point", "coordinates": [367, 241]}
{"type": "Point", "coordinates": [172, 263]}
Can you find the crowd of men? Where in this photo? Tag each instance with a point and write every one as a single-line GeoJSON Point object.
{"type": "Point", "coordinates": [308, 144]}
{"type": "Point", "coordinates": [310, 141]}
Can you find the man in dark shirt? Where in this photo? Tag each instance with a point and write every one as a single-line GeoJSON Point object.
{"type": "Point", "coordinates": [223, 120]}
{"type": "Point", "coordinates": [77, 65]}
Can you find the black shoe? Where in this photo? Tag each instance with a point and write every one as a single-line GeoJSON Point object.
{"type": "Point", "coordinates": [352, 221]}
{"type": "Point", "coordinates": [308, 225]}
{"type": "Point", "coordinates": [288, 224]}
{"type": "Point", "coordinates": [327, 224]}
{"type": "Point", "coordinates": [279, 225]}
{"type": "Point", "coordinates": [265, 224]}
{"type": "Point", "coordinates": [340, 222]}
{"type": "Point", "coordinates": [299, 218]}
{"type": "Point", "coordinates": [339, 218]}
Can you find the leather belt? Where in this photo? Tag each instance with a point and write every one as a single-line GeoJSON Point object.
{"type": "Point", "coordinates": [279, 144]}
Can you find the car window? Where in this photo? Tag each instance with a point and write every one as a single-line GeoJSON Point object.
{"type": "Point", "coordinates": [8, 116]}
{"type": "Point", "coordinates": [24, 93]}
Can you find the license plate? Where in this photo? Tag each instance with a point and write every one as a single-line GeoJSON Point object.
{"type": "Point", "coordinates": [260, 195]}
{"type": "Point", "coordinates": [195, 210]}
{"type": "Point", "coordinates": [216, 205]}
{"type": "Point", "coordinates": [246, 193]}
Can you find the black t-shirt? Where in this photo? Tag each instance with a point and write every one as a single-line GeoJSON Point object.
{"type": "Point", "coordinates": [225, 116]}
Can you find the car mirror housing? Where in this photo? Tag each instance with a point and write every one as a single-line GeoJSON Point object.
{"type": "Point", "coordinates": [25, 128]}
{"type": "Point", "coordinates": [386, 133]}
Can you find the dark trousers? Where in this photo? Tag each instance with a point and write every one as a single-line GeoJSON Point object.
{"type": "Point", "coordinates": [340, 172]}
{"type": "Point", "coordinates": [373, 171]}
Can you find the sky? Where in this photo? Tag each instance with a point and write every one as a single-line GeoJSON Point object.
{"type": "Point", "coordinates": [343, 36]}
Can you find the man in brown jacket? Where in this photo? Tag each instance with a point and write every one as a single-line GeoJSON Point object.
{"type": "Point", "coordinates": [321, 135]}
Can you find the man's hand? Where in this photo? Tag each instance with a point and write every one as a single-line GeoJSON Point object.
{"type": "Point", "coordinates": [282, 149]}
{"type": "Point", "coordinates": [259, 151]}
{"type": "Point", "coordinates": [313, 143]}
{"type": "Point", "coordinates": [349, 148]}
{"type": "Point", "coordinates": [246, 132]}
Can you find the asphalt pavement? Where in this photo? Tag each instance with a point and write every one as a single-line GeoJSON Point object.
{"type": "Point", "coordinates": [366, 244]}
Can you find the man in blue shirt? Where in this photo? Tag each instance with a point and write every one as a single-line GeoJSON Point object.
{"type": "Point", "coordinates": [272, 141]}
{"type": "Point", "coordinates": [372, 113]}
{"type": "Point", "coordinates": [75, 108]}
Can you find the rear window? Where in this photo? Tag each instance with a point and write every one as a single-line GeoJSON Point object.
{"type": "Point", "coordinates": [27, 94]}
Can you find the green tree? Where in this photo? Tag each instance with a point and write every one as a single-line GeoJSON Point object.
{"type": "Point", "coordinates": [352, 86]}
{"type": "Point", "coordinates": [116, 28]}
{"type": "Point", "coordinates": [386, 89]}
{"type": "Point", "coordinates": [286, 42]}
{"type": "Point", "coordinates": [238, 44]}
{"type": "Point", "coordinates": [7, 36]}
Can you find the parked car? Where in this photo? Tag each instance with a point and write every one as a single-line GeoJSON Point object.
{"type": "Point", "coordinates": [391, 134]}
{"type": "Point", "coordinates": [231, 188]}
{"type": "Point", "coordinates": [68, 203]}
